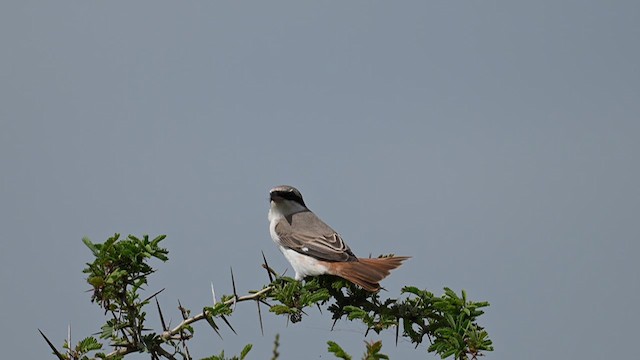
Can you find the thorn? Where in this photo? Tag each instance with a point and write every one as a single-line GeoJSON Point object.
{"type": "Point", "coordinates": [367, 332]}
{"type": "Point", "coordinates": [213, 325]}
{"type": "Point", "coordinates": [228, 324]}
{"type": "Point", "coordinates": [55, 351]}
{"type": "Point", "coordinates": [235, 293]}
{"type": "Point", "coordinates": [233, 283]}
{"type": "Point", "coordinates": [152, 296]}
{"type": "Point", "coordinates": [319, 309]}
{"type": "Point", "coordinates": [266, 267]}
{"type": "Point", "coordinates": [397, 330]}
{"type": "Point", "coordinates": [164, 326]}
{"type": "Point", "coordinates": [213, 294]}
{"type": "Point", "coordinates": [334, 323]}
{"type": "Point", "coordinates": [260, 317]}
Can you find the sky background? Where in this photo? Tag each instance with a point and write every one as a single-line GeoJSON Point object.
{"type": "Point", "coordinates": [496, 142]}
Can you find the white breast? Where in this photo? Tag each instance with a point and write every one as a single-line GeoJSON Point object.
{"type": "Point", "coordinates": [302, 264]}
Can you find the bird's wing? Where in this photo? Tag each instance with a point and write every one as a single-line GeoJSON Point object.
{"type": "Point", "coordinates": [305, 233]}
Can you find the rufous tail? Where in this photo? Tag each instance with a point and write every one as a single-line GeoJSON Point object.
{"type": "Point", "coordinates": [367, 272]}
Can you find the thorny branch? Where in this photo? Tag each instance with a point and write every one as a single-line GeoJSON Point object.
{"type": "Point", "coordinates": [120, 270]}
{"type": "Point", "coordinates": [170, 334]}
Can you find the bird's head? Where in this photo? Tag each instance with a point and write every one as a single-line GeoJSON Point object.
{"type": "Point", "coordinates": [285, 195]}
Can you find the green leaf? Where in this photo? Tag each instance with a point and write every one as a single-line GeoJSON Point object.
{"type": "Point", "coordinates": [447, 353]}
{"type": "Point", "coordinates": [96, 281]}
{"type": "Point", "coordinates": [88, 344]}
{"type": "Point", "coordinates": [373, 351]}
{"type": "Point", "coordinates": [282, 309]}
{"type": "Point", "coordinates": [450, 293]}
{"type": "Point", "coordinates": [337, 351]}
{"type": "Point", "coordinates": [157, 240]}
{"type": "Point", "coordinates": [91, 247]}
{"type": "Point", "coordinates": [245, 351]}
{"type": "Point", "coordinates": [355, 312]}
{"type": "Point", "coordinates": [411, 289]}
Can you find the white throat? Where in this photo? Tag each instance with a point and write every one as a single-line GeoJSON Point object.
{"type": "Point", "coordinates": [279, 210]}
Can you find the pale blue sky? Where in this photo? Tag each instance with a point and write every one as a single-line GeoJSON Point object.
{"type": "Point", "coordinates": [495, 142]}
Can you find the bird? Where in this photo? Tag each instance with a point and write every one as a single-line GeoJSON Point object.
{"type": "Point", "coordinates": [313, 248]}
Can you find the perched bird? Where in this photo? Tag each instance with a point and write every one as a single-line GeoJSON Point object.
{"type": "Point", "coordinates": [313, 248]}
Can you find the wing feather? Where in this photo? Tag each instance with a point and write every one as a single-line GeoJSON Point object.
{"type": "Point", "coordinates": [305, 233]}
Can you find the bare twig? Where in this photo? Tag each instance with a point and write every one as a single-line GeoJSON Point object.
{"type": "Point", "coordinates": [165, 353]}
{"type": "Point", "coordinates": [186, 350]}
{"type": "Point", "coordinates": [170, 334]}
{"type": "Point", "coordinates": [185, 313]}
{"type": "Point", "coordinates": [167, 334]}
{"type": "Point", "coordinates": [123, 351]}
